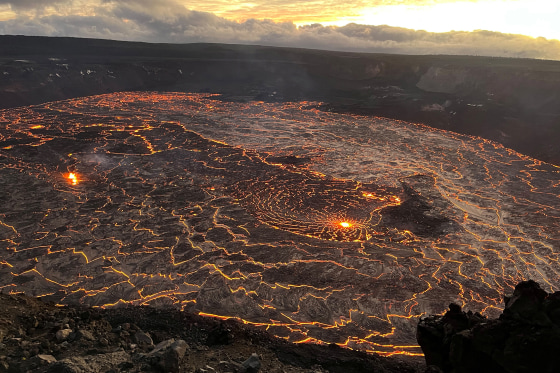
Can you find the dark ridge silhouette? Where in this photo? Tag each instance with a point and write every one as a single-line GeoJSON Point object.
{"type": "Point", "coordinates": [524, 338]}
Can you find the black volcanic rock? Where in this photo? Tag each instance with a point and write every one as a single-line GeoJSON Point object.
{"type": "Point", "coordinates": [525, 338]}
{"type": "Point", "coordinates": [423, 212]}
{"type": "Point", "coordinates": [219, 234]}
{"type": "Point", "coordinates": [289, 160]}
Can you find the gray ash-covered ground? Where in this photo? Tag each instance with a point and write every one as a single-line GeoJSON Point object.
{"type": "Point", "coordinates": [316, 227]}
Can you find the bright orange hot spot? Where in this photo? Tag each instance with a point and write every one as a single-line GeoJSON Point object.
{"type": "Point", "coordinates": [73, 178]}
{"type": "Point", "coordinates": [345, 224]}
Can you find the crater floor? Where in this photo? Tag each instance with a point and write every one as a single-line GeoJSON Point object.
{"type": "Point", "coordinates": [318, 227]}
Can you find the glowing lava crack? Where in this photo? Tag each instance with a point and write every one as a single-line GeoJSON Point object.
{"type": "Point", "coordinates": [317, 227]}
{"type": "Point", "coordinates": [315, 206]}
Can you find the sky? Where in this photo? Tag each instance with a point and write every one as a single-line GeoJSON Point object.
{"type": "Point", "coordinates": [510, 28]}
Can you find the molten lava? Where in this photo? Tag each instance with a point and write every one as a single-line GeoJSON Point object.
{"type": "Point", "coordinates": [72, 178]}
{"type": "Point", "coordinates": [315, 226]}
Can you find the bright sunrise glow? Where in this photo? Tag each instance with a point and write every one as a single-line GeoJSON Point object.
{"type": "Point", "coordinates": [512, 24]}
{"type": "Point", "coordinates": [527, 17]}
{"type": "Point", "coordinates": [345, 224]}
{"type": "Point", "coordinates": [6, 13]}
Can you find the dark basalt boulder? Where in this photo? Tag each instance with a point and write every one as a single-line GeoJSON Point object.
{"type": "Point", "coordinates": [525, 338]}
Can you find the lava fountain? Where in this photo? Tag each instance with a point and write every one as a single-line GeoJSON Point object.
{"type": "Point", "coordinates": [315, 226]}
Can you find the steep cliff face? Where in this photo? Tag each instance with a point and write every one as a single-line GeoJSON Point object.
{"type": "Point", "coordinates": [38, 80]}
{"type": "Point", "coordinates": [523, 90]}
{"type": "Point", "coordinates": [443, 80]}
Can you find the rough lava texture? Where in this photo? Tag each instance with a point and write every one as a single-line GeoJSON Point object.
{"type": "Point", "coordinates": [41, 337]}
{"type": "Point", "coordinates": [525, 338]}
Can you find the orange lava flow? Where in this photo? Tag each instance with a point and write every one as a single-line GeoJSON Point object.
{"type": "Point", "coordinates": [315, 226]}
{"type": "Point", "coordinates": [72, 178]}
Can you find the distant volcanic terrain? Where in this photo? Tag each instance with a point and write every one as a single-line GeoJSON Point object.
{"type": "Point", "coordinates": [316, 226]}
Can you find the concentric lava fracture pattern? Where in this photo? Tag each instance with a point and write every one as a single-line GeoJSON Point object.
{"type": "Point", "coordinates": [318, 227]}
{"type": "Point", "coordinates": [315, 206]}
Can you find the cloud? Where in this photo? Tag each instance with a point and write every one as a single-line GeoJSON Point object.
{"type": "Point", "coordinates": [170, 21]}
{"type": "Point", "coordinates": [31, 4]}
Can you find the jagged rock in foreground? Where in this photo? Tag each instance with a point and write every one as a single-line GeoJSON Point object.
{"type": "Point", "coordinates": [40, 337]}
{"type": "Point", "coordinates": [525, 338]}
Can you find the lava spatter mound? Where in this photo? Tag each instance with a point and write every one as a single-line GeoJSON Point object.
{"type": "Point", "coordinates": [316, 206]}
{"type": "Point", "coordinates": [317, 227]}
